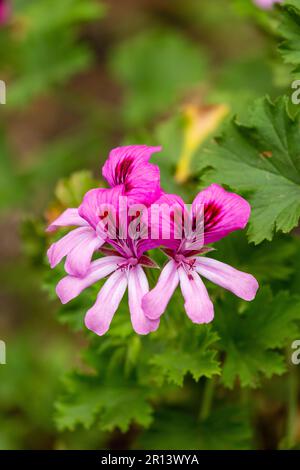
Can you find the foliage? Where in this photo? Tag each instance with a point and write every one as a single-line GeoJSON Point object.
{"type": "Point", "coordinates": [290, 31]}
{"type": "Point", "coordinates": [262, 159]}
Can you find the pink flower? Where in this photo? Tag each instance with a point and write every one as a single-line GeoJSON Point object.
{"type": "Point", "coordinates": [4, 11]}
{"type": "Point", "coordinates": [123, 262]}
{"type": "Point", "coordinates": [78, 245]}
{"type": "Point", "coordinates": [129, 168]}
{"type": "Point", "coordinates": [130, 174]}
{"type": "Point", "coordinates": [131, 218]}
{"type": "Point", "coordinates": [125, 269]}
{"type": "Point", "coordinates": [266, 4]}
{"type": "Point", "coordinates": [224, 212]}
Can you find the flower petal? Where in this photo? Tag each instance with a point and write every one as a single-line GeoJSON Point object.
{"type": "Point", "coordinates": [224, 212]}
{"type": "Point", "coordinates": [99, 317]}
{"type": "Point", "coordinates": [198, 305]}
{"type": "Point", "coordinates": [241, 284]}
{"type": "Point", "coordinates": [137, 287]}
{"type": "Point", "coordinates": [129, 166]}
{"type": "Point", "coordinates": [165, 221]}
{"type": "Point", "coordinates": [70, 286]}
{"type": "Point", "coordinates": [79, 259]}
{"type": "Point", "coordinates": [155, 302]}
{"type": "Point", "coordinates": [68, 218]}
{"type": "Point", "coordinates": [66, 244]}
{"type": "Point", "coordinates": [98, 202]}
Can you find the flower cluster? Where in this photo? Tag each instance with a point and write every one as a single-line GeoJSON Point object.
{"type": "Point", "coordinates": [122, 234]}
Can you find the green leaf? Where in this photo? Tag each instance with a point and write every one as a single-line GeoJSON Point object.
{"type": "Point", "coordinates": [262, 158]}
{"type": "Point", "coordinates": [227, 428]}
{"type": "Point", "coordinates": [110, 403]}
{"type": "Point", "coordinates": [251, 339]}
{"type": "Point", "coordinates": [290, 31]}
{"type": "Point", "coordinates": [188, 354]}
{"type": "Point", "coordinates": [70, 191]}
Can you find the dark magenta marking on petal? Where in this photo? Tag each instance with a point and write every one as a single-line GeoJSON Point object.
{"type": "Point", "coordinates": [123, 169]}
{"type": "Point", "coordinates": [212, 215]}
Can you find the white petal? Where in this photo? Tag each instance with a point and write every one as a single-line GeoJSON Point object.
{"type": "Point", "coordinates": [137, 287]}
{"type": "Point", "coordinates": [198, 305]}
{"type": "Point", "coordinates": [155, 302]}
{"type": "Point", "coordinates": [70, 286]}
{"type": "Point", "coordinates": [241, 284]}
{"type": "Point", "coordinates": [99, 317]}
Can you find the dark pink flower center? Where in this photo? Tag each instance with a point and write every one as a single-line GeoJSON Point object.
{"type": "Point", "coordinates": [186, 263]}
{"type": "Point", "coordinates": [128, 264]}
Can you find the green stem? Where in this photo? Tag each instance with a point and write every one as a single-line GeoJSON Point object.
{"type": "Point", "coordinates": [207, 399]}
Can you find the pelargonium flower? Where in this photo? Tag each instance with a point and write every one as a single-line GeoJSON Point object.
{"type": "Point", "coordinates": [124, 264]}
{"type": "Point", "coordinates": [224, 212]}
{"type": "Point", "coordinates": [266, 4]}
{"type": "Point", "coordinates": [130, 174]}
{"type": "Point", "coordinates": [102, 219]}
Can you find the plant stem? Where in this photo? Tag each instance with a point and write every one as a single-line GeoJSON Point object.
{"type": "Point", "coordinates": [207, 399]}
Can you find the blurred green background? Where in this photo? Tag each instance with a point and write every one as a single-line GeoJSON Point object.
{"type": "Point", "coordinates": [82, 77]}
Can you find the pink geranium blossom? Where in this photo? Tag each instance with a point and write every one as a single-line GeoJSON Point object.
{"type": "Point", "coordinates": [130, 174]}
{"type": "Point", "coordinates": [266, 4]}
{"type": "Point", "coordinates": [129, 230]}
{"type": "Point", "coordinates": [124, 264]}
{"type": "Point", "coordinates": [224, 212]}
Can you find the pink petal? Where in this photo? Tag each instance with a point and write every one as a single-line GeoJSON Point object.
{"type": "Point", "coordinates": [79, 259]}
{"type": "Point", "coordinates": [66, 244]}
{"type": "Point", "coordinates": [98, 202]}
{"type": "Point", "coordinates": [224, 212]}
{"type": "Point", "coordinates": [241, 284]}
{"type": "Point", "coordinates": [155, 302]}
{"type": "Point", "coordinates": [70, 286]}
{"type": "Point", "coordinates": [165, 221]}
{"type": "Point", "coordinates": [198, 305]}
{"type": "Point", "coordinates": [68, 218]}
{"type": "Point", "coordinates": [129, 166]}
{"type": "Point", "coordinates": [99, 317]}
{"type": "Point", "coordinates": [137, 287]}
